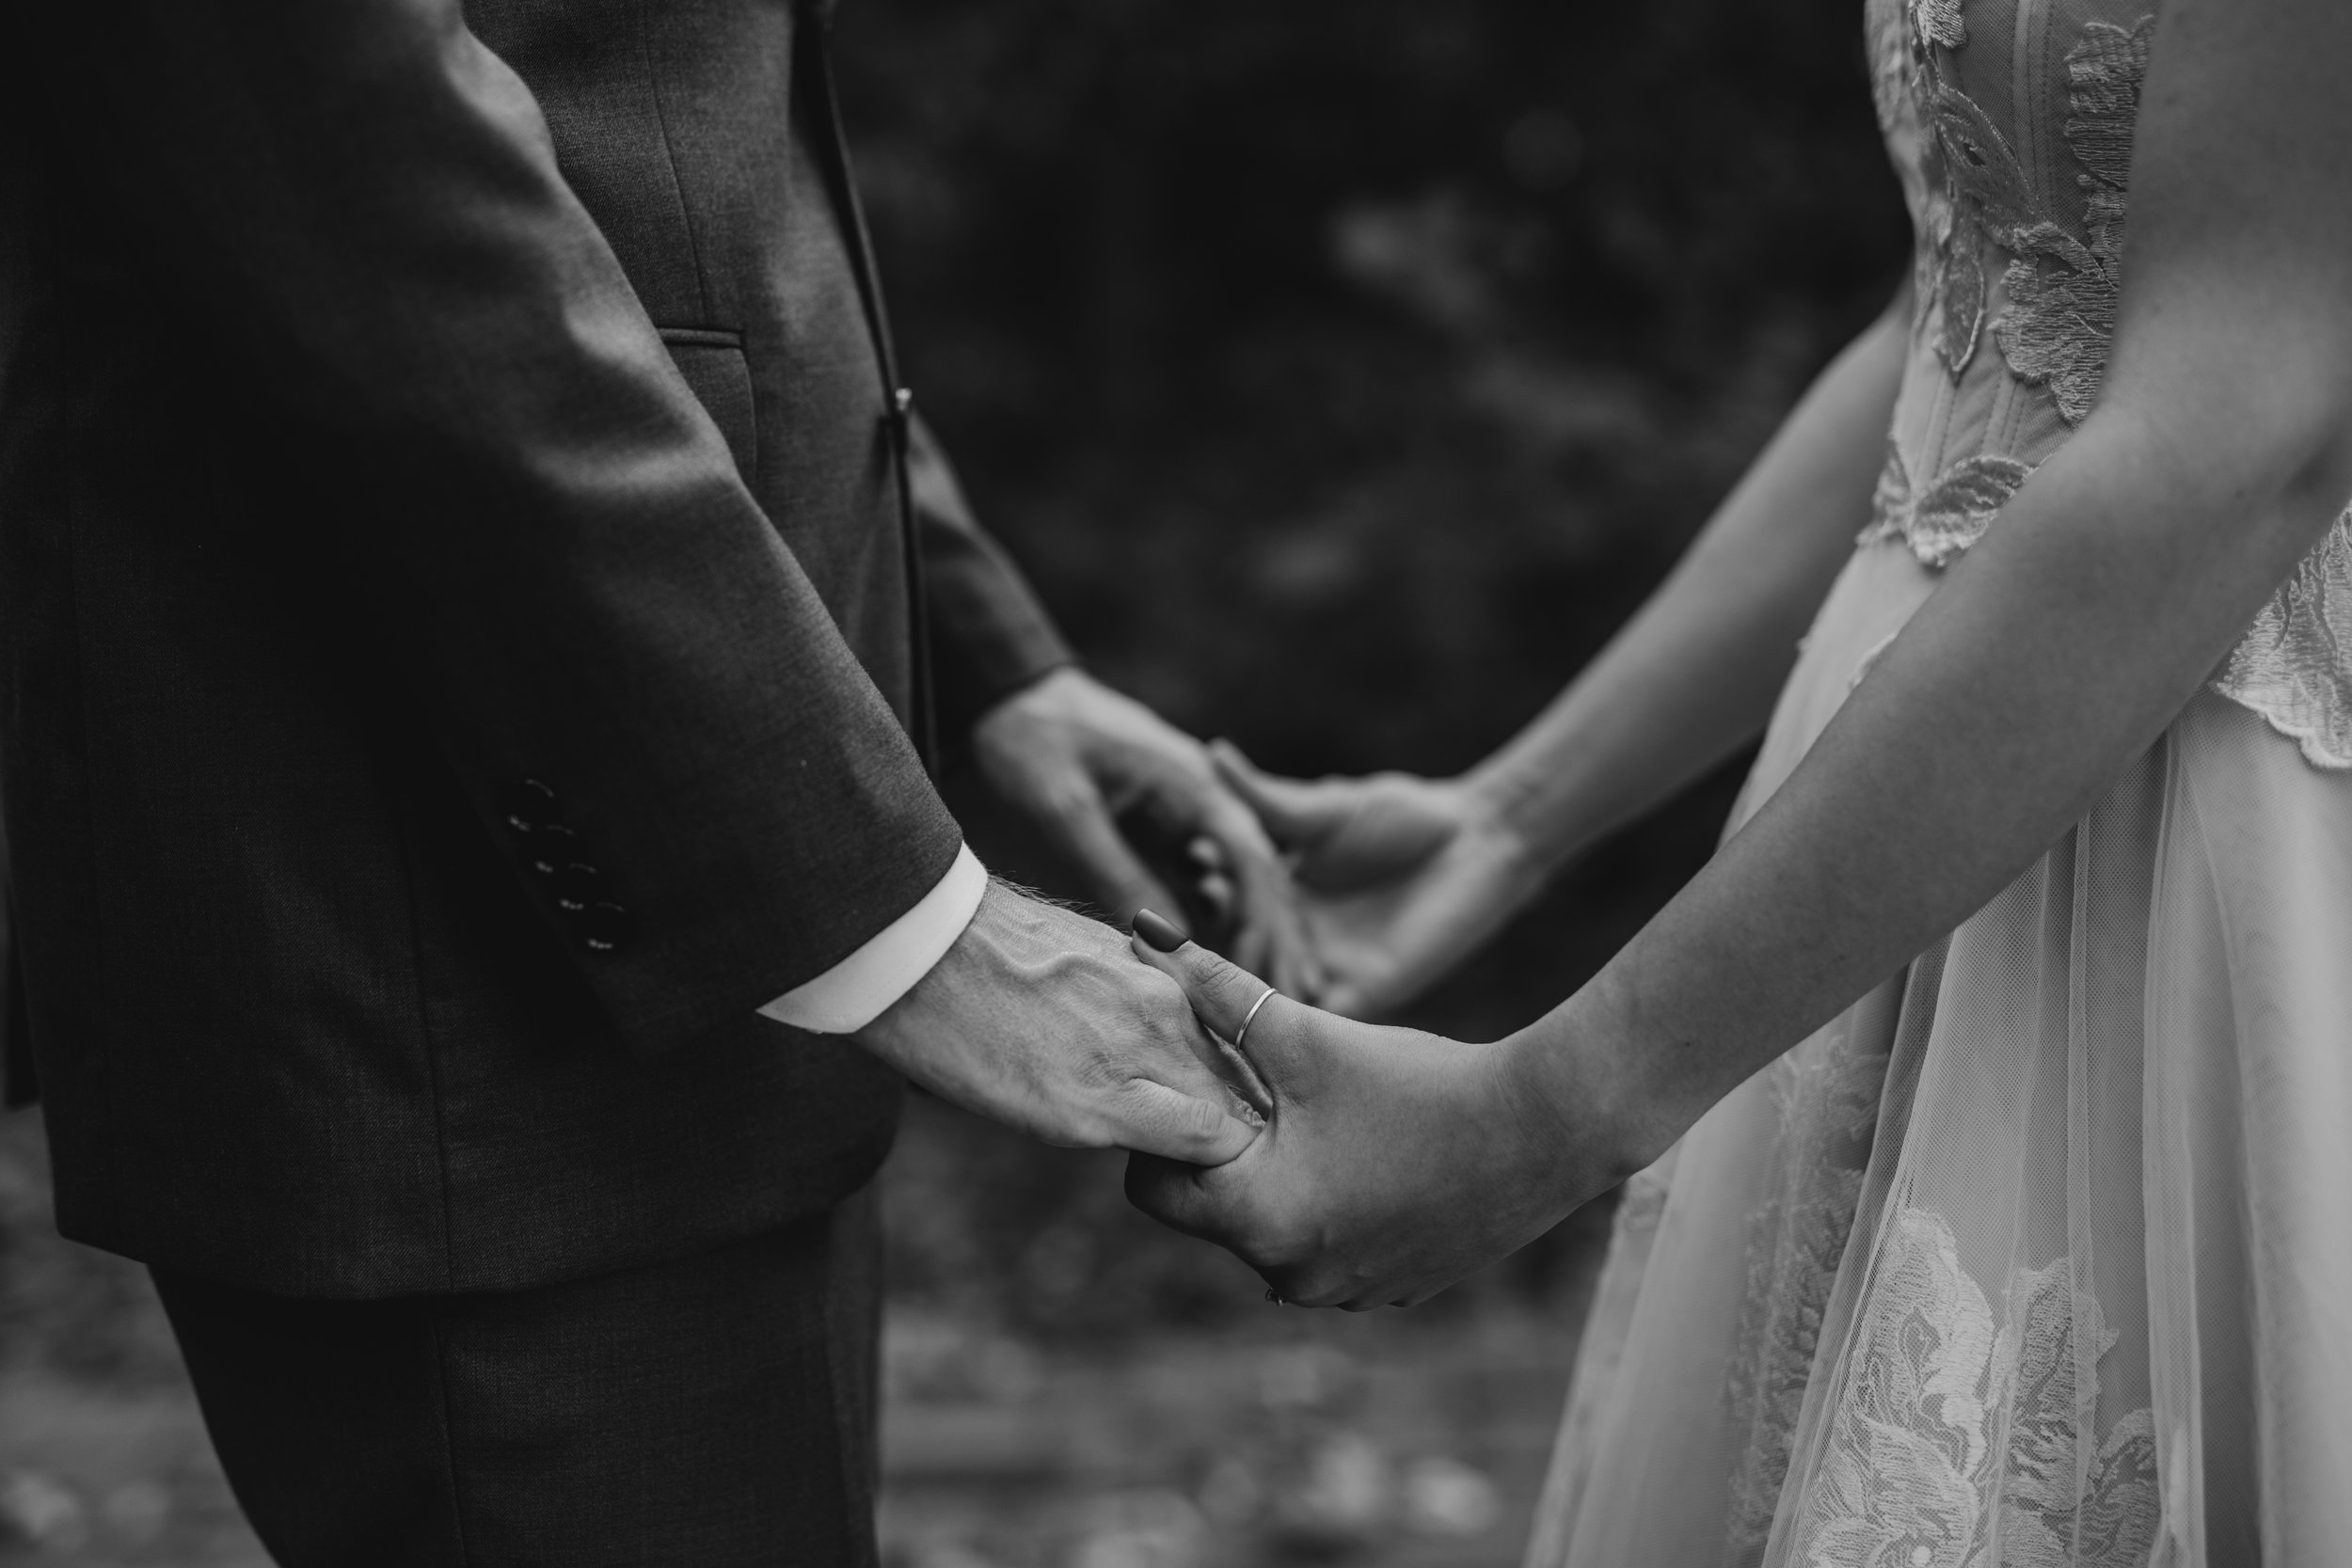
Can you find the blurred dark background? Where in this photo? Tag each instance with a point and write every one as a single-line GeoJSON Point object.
{"type": "Point", "coordinates": [1344, 374]}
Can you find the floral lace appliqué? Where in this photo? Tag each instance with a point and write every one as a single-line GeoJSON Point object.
{"type": "Point", "coordinates": [1946, 515]}
{"type": "Point", "coordinates": [1825, 1094]}
{"type": "Point", "coordinates": [1955, 1443]}
{"type": "Point", "coordinates": [2290, 665]}
{"type": "Point", "coordinates": [2062, 291]}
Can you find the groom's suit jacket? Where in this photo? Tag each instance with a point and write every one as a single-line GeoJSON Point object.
{"type": "Point", "coordinates": [462, 587]}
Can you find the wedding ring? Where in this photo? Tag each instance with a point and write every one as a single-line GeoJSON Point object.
{"type": "Point", "coordinates": [1251, 1018]}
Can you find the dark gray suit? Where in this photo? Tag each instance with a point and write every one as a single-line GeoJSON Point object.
{"type": "Point", "coordinates": [464, 607]}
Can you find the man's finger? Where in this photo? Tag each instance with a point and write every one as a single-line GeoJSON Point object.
{"type": "Point", "coordinates": [1216, 892]}
{"type": "Point", "coordinates": [1269, 910]}
{"type": "Point", "coordinates": [1271, 934]}
{"type": "Point", "coordinates": [1084, 827]}
{"type": "Point", "coordinates": [1298, 815]}
{"type": "Point", "coordinates": [1156, 1119]}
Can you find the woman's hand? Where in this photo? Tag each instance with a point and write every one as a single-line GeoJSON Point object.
{"type": "Point", "coordinates": [1394, 1161]}
{"type": "Point", "coordinates": [1344, 834]}
{"type": "Point", "coordinates": [1403, 877]}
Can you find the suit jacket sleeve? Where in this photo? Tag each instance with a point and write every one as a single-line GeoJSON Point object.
{"type": "Point", "coordinates": [989, 635]}
{"type": "Point", "coordinates": [551, 537]}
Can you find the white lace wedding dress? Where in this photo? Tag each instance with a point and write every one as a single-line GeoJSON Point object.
{"type": "Point", "coordinates": [2041, 1253]}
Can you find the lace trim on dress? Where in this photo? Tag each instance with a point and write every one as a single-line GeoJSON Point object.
{"type": "Point", "coordinates": [1950, 514]}
{"type": "Point", "coordinates": [1825, 1095]}
{"type": "Point", "coordinates": [2062, 291]}
{"type": "Point", "coordinates": [1958, 1444]}
{"type": "Point", "coordinates": [2290, 665]}
{"type": "Point", "coordinates": [2293, 666]}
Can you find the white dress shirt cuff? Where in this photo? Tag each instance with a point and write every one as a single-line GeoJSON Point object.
{"type": "Point", "coordinates": [853, 992]}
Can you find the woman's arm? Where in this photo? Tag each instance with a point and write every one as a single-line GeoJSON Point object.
{"type": "Point", "coordinates": [1692, 677]}
{"type": "Point", "coordinates": [2055, 652]}
{"type": "Point", "coordinates": [1409, 876]}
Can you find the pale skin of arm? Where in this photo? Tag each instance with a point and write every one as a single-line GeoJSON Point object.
{"type": "Point", "coordinates": [2053, 653]}
{"type": "Point", "coordinates": [1690, 679]}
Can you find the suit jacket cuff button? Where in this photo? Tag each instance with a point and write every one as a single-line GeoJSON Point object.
{"type": "Point", "coordinates": [603, 928]}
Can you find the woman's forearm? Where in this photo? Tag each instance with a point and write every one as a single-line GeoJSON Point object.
{"type": "Point", "coordinates": [1692, 677]}
{"type": "Point", "coordinates": [2053, 653]}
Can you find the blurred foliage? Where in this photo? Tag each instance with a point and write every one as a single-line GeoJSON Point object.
{"type": "Point", "coordinates": [1343, 372]}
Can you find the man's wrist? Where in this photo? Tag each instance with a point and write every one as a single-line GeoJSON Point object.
{"type": "Point", "coordinates": [897, 1032]}
{"type": "Point", "coordinates": [1039, 689]}
{"type": "Point", "coordinates": [858, 990]}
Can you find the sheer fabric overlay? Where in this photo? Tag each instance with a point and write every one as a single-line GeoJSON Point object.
{"type": "Point", "coordinates": [2035, 1256]}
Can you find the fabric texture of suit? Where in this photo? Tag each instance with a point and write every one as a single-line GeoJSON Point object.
{"type": "Point", "coordinates": [462, 636]}
{"type": "Point", "coordinates": [707, 1412]}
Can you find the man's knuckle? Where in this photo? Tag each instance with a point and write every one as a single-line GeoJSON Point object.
{"type": "Point", "coordinates": [1101, 1068]}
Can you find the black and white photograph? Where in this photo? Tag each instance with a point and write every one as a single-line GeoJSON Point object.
{"type": "Point", "coordinates": [1012, 783]}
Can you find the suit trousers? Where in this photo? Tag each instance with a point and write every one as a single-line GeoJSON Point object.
{"type": "Point", "coordinates": [713, 1410]}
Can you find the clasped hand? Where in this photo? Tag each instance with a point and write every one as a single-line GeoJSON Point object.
{"type": "Point", "coordinates": [1399, 877]}
{"type": "Point", "coordinates": [1075, 756]}
{"type": "Point", "coordinates": [1393, 1162]}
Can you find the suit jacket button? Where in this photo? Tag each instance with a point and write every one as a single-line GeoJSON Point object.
{"type": "Point", "coordinates": [528, 805]}
{"type": "Point", "coordinates": [602, 927]}
{"type": "Point", "coordinates": [552, 846]}
{"type": "Point", "coordinates": [576, 885]}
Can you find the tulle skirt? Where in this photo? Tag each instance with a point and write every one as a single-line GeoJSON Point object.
{"type": "Point", "coordinates": [2041, 1253]}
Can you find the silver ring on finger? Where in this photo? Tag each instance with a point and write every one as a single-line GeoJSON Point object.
{"type": "Point", "coordinates": [1251, 1016]}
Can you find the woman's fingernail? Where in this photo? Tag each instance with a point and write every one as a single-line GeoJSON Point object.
{"type": "Point", "coordinates": [1157, 932]}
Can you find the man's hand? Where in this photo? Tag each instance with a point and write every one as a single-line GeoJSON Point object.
{"type": "Point", "coordinates": [1075, 755]}
{"type": "Point", "coordinates": [1038, 1018]}
{"type": "Point", "coordinates": [1394, 1162]}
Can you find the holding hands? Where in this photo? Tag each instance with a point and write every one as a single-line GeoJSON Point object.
{"type": "Point", "coordinates": [1400, 878]}
{"type": "Point", "coordinates": [1392, 1162]}
{"type": "Point", "coordinates": [1037, 1019]}
{"type": "Point", "coordinates": [1385, 1164]}
{"type": "Point", "coordinates": [1075, 756]}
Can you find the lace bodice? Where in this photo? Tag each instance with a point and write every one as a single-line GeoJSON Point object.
{"type": "Point", "coordinates": [2011, 124]}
